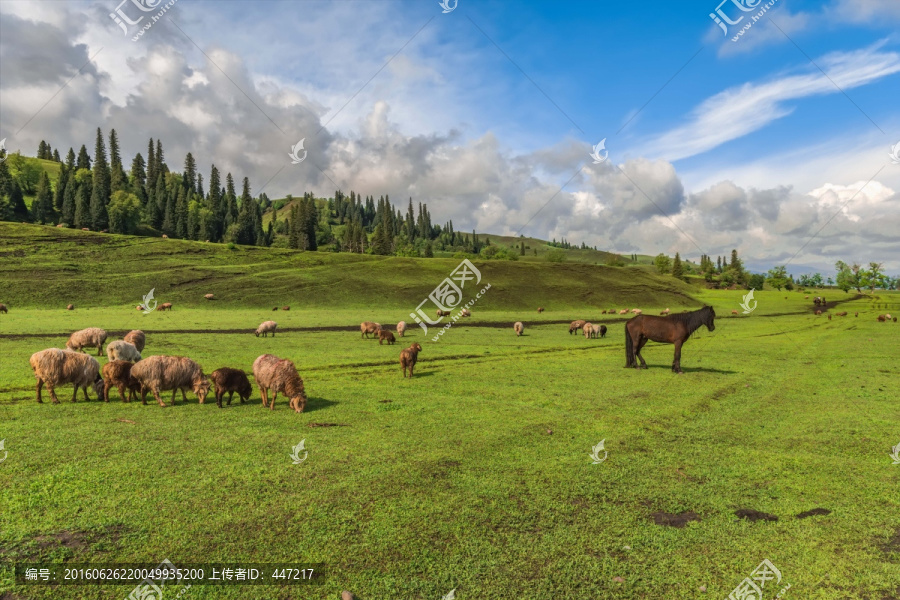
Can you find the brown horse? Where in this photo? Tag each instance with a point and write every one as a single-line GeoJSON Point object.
{"type": "Point", "coordinates": [674, 329]}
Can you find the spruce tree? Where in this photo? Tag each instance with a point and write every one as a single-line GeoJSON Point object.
{"type": "Point", "coordinates": [68, 205]}
{"type": "Point", "coordinates": [151, 165]}
{"type": "Point", "coordinates": [70, 160]}
{"type": "Point", "coordinates": [161, 201]}
{"type": "Point", "coordinates": [190, 172]}
{"type": "Point", "coordinates": [168, 222]}
{"type": "Point", "coordinates": [117, 179]}
{"type": "Point", "coordinates": [101, 182]}
{"type": "Point", "coordinates": [82, 207]}
{"type": "Point", "coordinates": [42, 208]}
{"type": "Point", "coordinates": [59, 194]}
{"type": "Point", "coordinates": [56, 156]}
{"type": "Point", "coordinates": [84, 161]}
{"type": "Point", "coordinates": [42, 149]}
{"type": "Point", "coordinates": [677, 267]}
{"type": "Point", "coordinates": [181, 214]}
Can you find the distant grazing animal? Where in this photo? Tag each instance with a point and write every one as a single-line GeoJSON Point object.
{"type": "Point", "coordinates": [164, 373]}
{"type": "Point", "coordinates": [136, 338]}
{"type": "Point", "coordinates": [165, 237]}
{"type": "Point", "coordinates": [624, 311]}
{"type": "Point", "coordinates": [138, 307]}
{"type": "Point", "coordinates": [209, 297]}
{"type": "Point", "coordinates": [122, 350]}
{"type": "Point", "coordinates": [60, 224]}
{"type": "Point", "coordinates": [3, 308]}
{"type": "Point", "coordinates": [540, 309]}
{"type": "Point", "coordinates": [842, 314]}
{"type": "Point", "coordinates": [888, 317]}
{"type": "Point", "coordinates": [277, 375]}
{"type": "Point", "coordinates": [674, 329]}
{"type": "Point", "coordinates": [665, 312]}
{"type": "Point", "coordinates": [575, 326]}
{"type": "Point", "coordinates": [117, 373]}
{"type": "Point", "coordinates": [519, 328]}
{"type": "Point", "coordinates": [856, 314]}
{"type": "Point", "coordinates": [276, 308]}
{"type": "Point", "coordinates": [443, 313]}
{"type": "Point", "coordinates": [882, 318]}
{"type": "Point", "coordinates": [285, 308]}
{"type": "Point", "coordinates": [603, 312]}
{"type": "Point", "coordinates": [829, 317]}
{"type": "Point", "coordinates": [806, 297]}
{"type": "Point", "coordinates": [368, 327]}
{"type": "Point", "coordinates": [385, 336]}
{"type": "Point", "coordinates": [588, 330]}
{"type": "Point", "coordinates": [895, 319]}
{"type": "Point", "coordinates": [465, 313]}
{"type": "Point", "coordinates": [70, 307]}
{"type": "Point", "coordinates": [265, 328]}
{"type": "Point", "coordinates": [599, 331]}
{"type": "Point", "coordinates": [408, 358]}
{"type": "Point", "coordinates": [636, 311]}
{"type": "Point", "coordinates": [85, 228]}
{"type": "Point", "coordinates": [165, 306]}
{"type": "Point", "coordinates": [734, 312]}
{"type": "Point", "coordinates": [818, 312]}
{"type": "Point", "coordinates": [401, 328]}
{"type": "Point", "coordinates": [92, 337]}
{"type": "Point", "coordinates": [230, 380]}
{"type": "Point", "coordinates": [57, 367]}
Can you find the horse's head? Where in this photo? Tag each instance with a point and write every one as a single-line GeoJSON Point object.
{"type": "Point", "coordinates": [709, 318]}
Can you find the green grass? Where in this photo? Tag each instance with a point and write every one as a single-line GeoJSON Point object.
{"type": "Point", "coordinates": [453, 479]}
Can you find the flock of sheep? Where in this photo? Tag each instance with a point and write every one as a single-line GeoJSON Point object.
{"type": "Point", "coordinates": [128, 372]}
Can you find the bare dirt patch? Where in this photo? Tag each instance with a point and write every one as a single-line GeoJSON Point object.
{"type": "Point", "coordinates": [754, 515]}
{"type": "Point", "coordinates": [675, 520]}
{"type": "Point", "coordinates": [813, 513]}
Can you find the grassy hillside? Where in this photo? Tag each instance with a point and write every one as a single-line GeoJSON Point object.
{"type": "Point", "coordinates": [47, 266]}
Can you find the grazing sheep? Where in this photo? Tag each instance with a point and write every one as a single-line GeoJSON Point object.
{"type": "Point", "coordinates": [856, 315]}
{"type": "Point", "coordinates": [85, 228]}
{"type": "Point", "coordinates": [165, 237]}
{"type": "Point", "coordinates": [665, 312]}
{"type": "Point", "coordinates": [829, 317]}
{"type": "Point", "coordinates": [265, 328]}
{"type": "Point", "coordinates": [601, 329]}
{"type": "Point", "coordinates": [575, 326]}
{"type": "Point", "coordinates": [385, 336]}
{"type": "Point", "coordinates": [818, 312]}
{"type": "Point", "coordinates": [408, 358]}
{"type": "Point", "coordinates": [118, 373]}
{"type": "Point", "coordinates": [368, 327]}
{"type": "Point", "coordinates": [624, 311]}
{"type": "Point", "coordinates": [734, 312]}
{"type": "Point", "coordinates": [138, 307]}
{"type": "Point", "coordinates": [636, 311]}
{"type": "Point", "coordinates": [588, 330]}
{"type": "Point", "coordinates": [277, 375]}
{"type": "Point", "coordinates": [895, 319]}
{"type": "Point", "coordinates": [58, 225]}
{"type": "Point", "coordinates": [401, 328]}
{"type": "Point", "coordinates": [882, 318]}
{"type": "Point", "coordinates": [57, 367]}
{"type": "Point", "coordinates": [540, 309]}
{"type": "Point", "coordinates": [806, 297]}
{"type": "Point", "coordinates": [164, 373]}
{"type": "Point", "coordinates": [122, 350]}
{"type": "Point", "coordinates": [70, 307]}
{"type": "Point", "coordinates": [209, 297]}
{"type": "Point", "coordinates": [231, 381]}
{"type": "Point", "coordinates": [136, 338]}
{"type": "Point", "coordinates": [889, 317]}
{"type": "Point", "coordinates": [285, 308]}
{"type": "Point", "coordinates": [165, 306]}
{"type": "Point", "coordinates": [3, 308]}
{"type": "Point", "coordinates": [276, 308]}
{"type": "Point", "coordinates": [443, 313]}
{"type": "Point", "coordinates": [603, 312]}
{"type": "Point", "coordinates": [519, 328]}
{"type": "Point", "coordinates": [465, 312]}
{"type": "Point", "coordinates": [92, 337]}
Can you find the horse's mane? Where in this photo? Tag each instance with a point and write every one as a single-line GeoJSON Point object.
{"type": "Point", "coordinates": [692, 320]}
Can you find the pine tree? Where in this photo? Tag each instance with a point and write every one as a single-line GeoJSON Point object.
{"type": "Point", "coordinates": [59, 194]}
{"type": "Point", "coordinates": [101, 182]}
{"type": "Point", "coordinates": [42, 208]}
{"type": "Point", "coordinates": [139, 178]}
{"type": "Point", "coordinates": [160, 161]}
{"type": "Point", "coordinates": [161, 201]}
{"type": "Point", "coordinates": [84, 161]}
{"type": "Point", "coordinates": [151, 164]}
{"type": "Point", "coordinates": [168, 222]}
{"type": "Point", "coordinates": [56, 157]}
{"type": "Point", "coordinates": [200, 185]}
{"type": "Point", "coordinates": [181, 214]}
{"type": "Point", "coordinates": [42, 149]}
{"type": "Point", "coordinates": [190, 172]}
{"type": "Point", "coordinates": [117, 179]}
{"type": "Point", "coordinates": [68, 205]}
{"type": "Point", "coordinates": [677, 267]}
{"type": "Point", "coordinates": [70, 160]}
{"type": "Point", "coordinates": [82, 207]}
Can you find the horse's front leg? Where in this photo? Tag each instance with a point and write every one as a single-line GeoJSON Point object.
{"type": "Point", "coordinates": [676, 364]}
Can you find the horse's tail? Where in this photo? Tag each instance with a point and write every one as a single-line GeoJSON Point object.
{"type": "Point", "coordinates": [629, 348]}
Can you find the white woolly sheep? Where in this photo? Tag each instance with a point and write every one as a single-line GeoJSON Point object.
{"type": "Point", "coordinates": [266, 328]}
{"type": "Point", "coordinates": [57, 367]}
{"type": "Point", "coordinates": [92, 337]}
{"type": "Point", "coordinates": [122, 350]}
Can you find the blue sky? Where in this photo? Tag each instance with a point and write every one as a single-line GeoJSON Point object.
{"type": "Point", "coordinates": [748, 145]}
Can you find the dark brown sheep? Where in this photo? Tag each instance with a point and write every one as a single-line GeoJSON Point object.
{"type": "Point", "coordinates": [385, 336]}
{"type": "Point", "coordinates": [165, 306]}
{"type": "Point", "coordinates": [408, 358]}
{"type": "Point", "coordinates": [276, 308]}
{"type": "Point", "coordinates": [540, 309]}
{"type": "Point", "coordinates": [231, 380]}
{"type": "Point", "coordinates": [285, 308]}
{"type": "Point", "coordinates": [842, 314]}
{"type": "Point", "coordinates": [3, 308]}
{"type": "Point", "coordinates": [443, 313]}
{"type": "Point", "coordinates": [882, 318]}
{"type": "Point", "coordinates": [118, 373]}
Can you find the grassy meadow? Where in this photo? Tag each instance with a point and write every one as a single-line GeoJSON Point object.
{"type": "Point", "coordinates": [475, 474]}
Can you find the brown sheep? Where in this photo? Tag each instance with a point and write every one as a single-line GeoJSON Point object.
{"type": "Point", "coordinates": [829, 317]}
{"type": "Point", "coordinates": [266, 328]}
{"type": "Point", "coordinates": [3, 308]}
{"type": "Point", "coordinates": [575, 326]}
{"type": "Point", "coordinates": [465, 313]}
{"type": "Point", "coordinates": [540, 309]}
{"type": "Point", "coordinates": [408, 358]}
{"type": "Point", "coordinates": [588, 330]}
{"type": "Point", "coordinates": [231, 380]}
{"type": "Point", "coordinates": [56, 367]}
{"type": "Point", "coordinates": [92, 337]}
{"type": "Point", "coordinates": [519, 328]}
{"type": "Point", "coordinates": [401, 328]}
{"type": "Point", "coordinates": [70, 307]}
{"type": "Point", "coordinates": [882, 318]}
{"type": "Point", "coordinates": [285, 308]}
{"type": "Point", "coordinates": [165, 306]}
{"type": "Point", "coordinates": [118, 373]}
{"type": "Point", "coordinates": [842, 314]}
{"type": "Point", "coordinates": [368, 327]}
{"type": "Point", "coordinates": [85, 228]}
{"type": "Point", "coordinates": [138, 307]}
{"type": "Point", "coordinates": [624, 311]}
{"type": "Point", "coordinates": [818, 312]}
{"type": "Point", "coordinates": [136, 338]}
{"type": "Point", "coordinates": [165, 237]}
{"type": "Point", "coordinates": [277, 375]}
{"type": "Point", "coordinates": [276, 308]}
{"type": "Point", "coordinates": [385, 336]}
{"type": "Point", "coordinates": [164, 373]}
{"type": "Point", "coordinates": [209, 297]}
{"type": "Point", "coordinates": [443, 313]}
{"type": "Point", "coordinates": [603, 312]}
{"type": "Point", "coordinates": [895, 319]}
{"type": "Point", "coordinates": [734, 312]}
